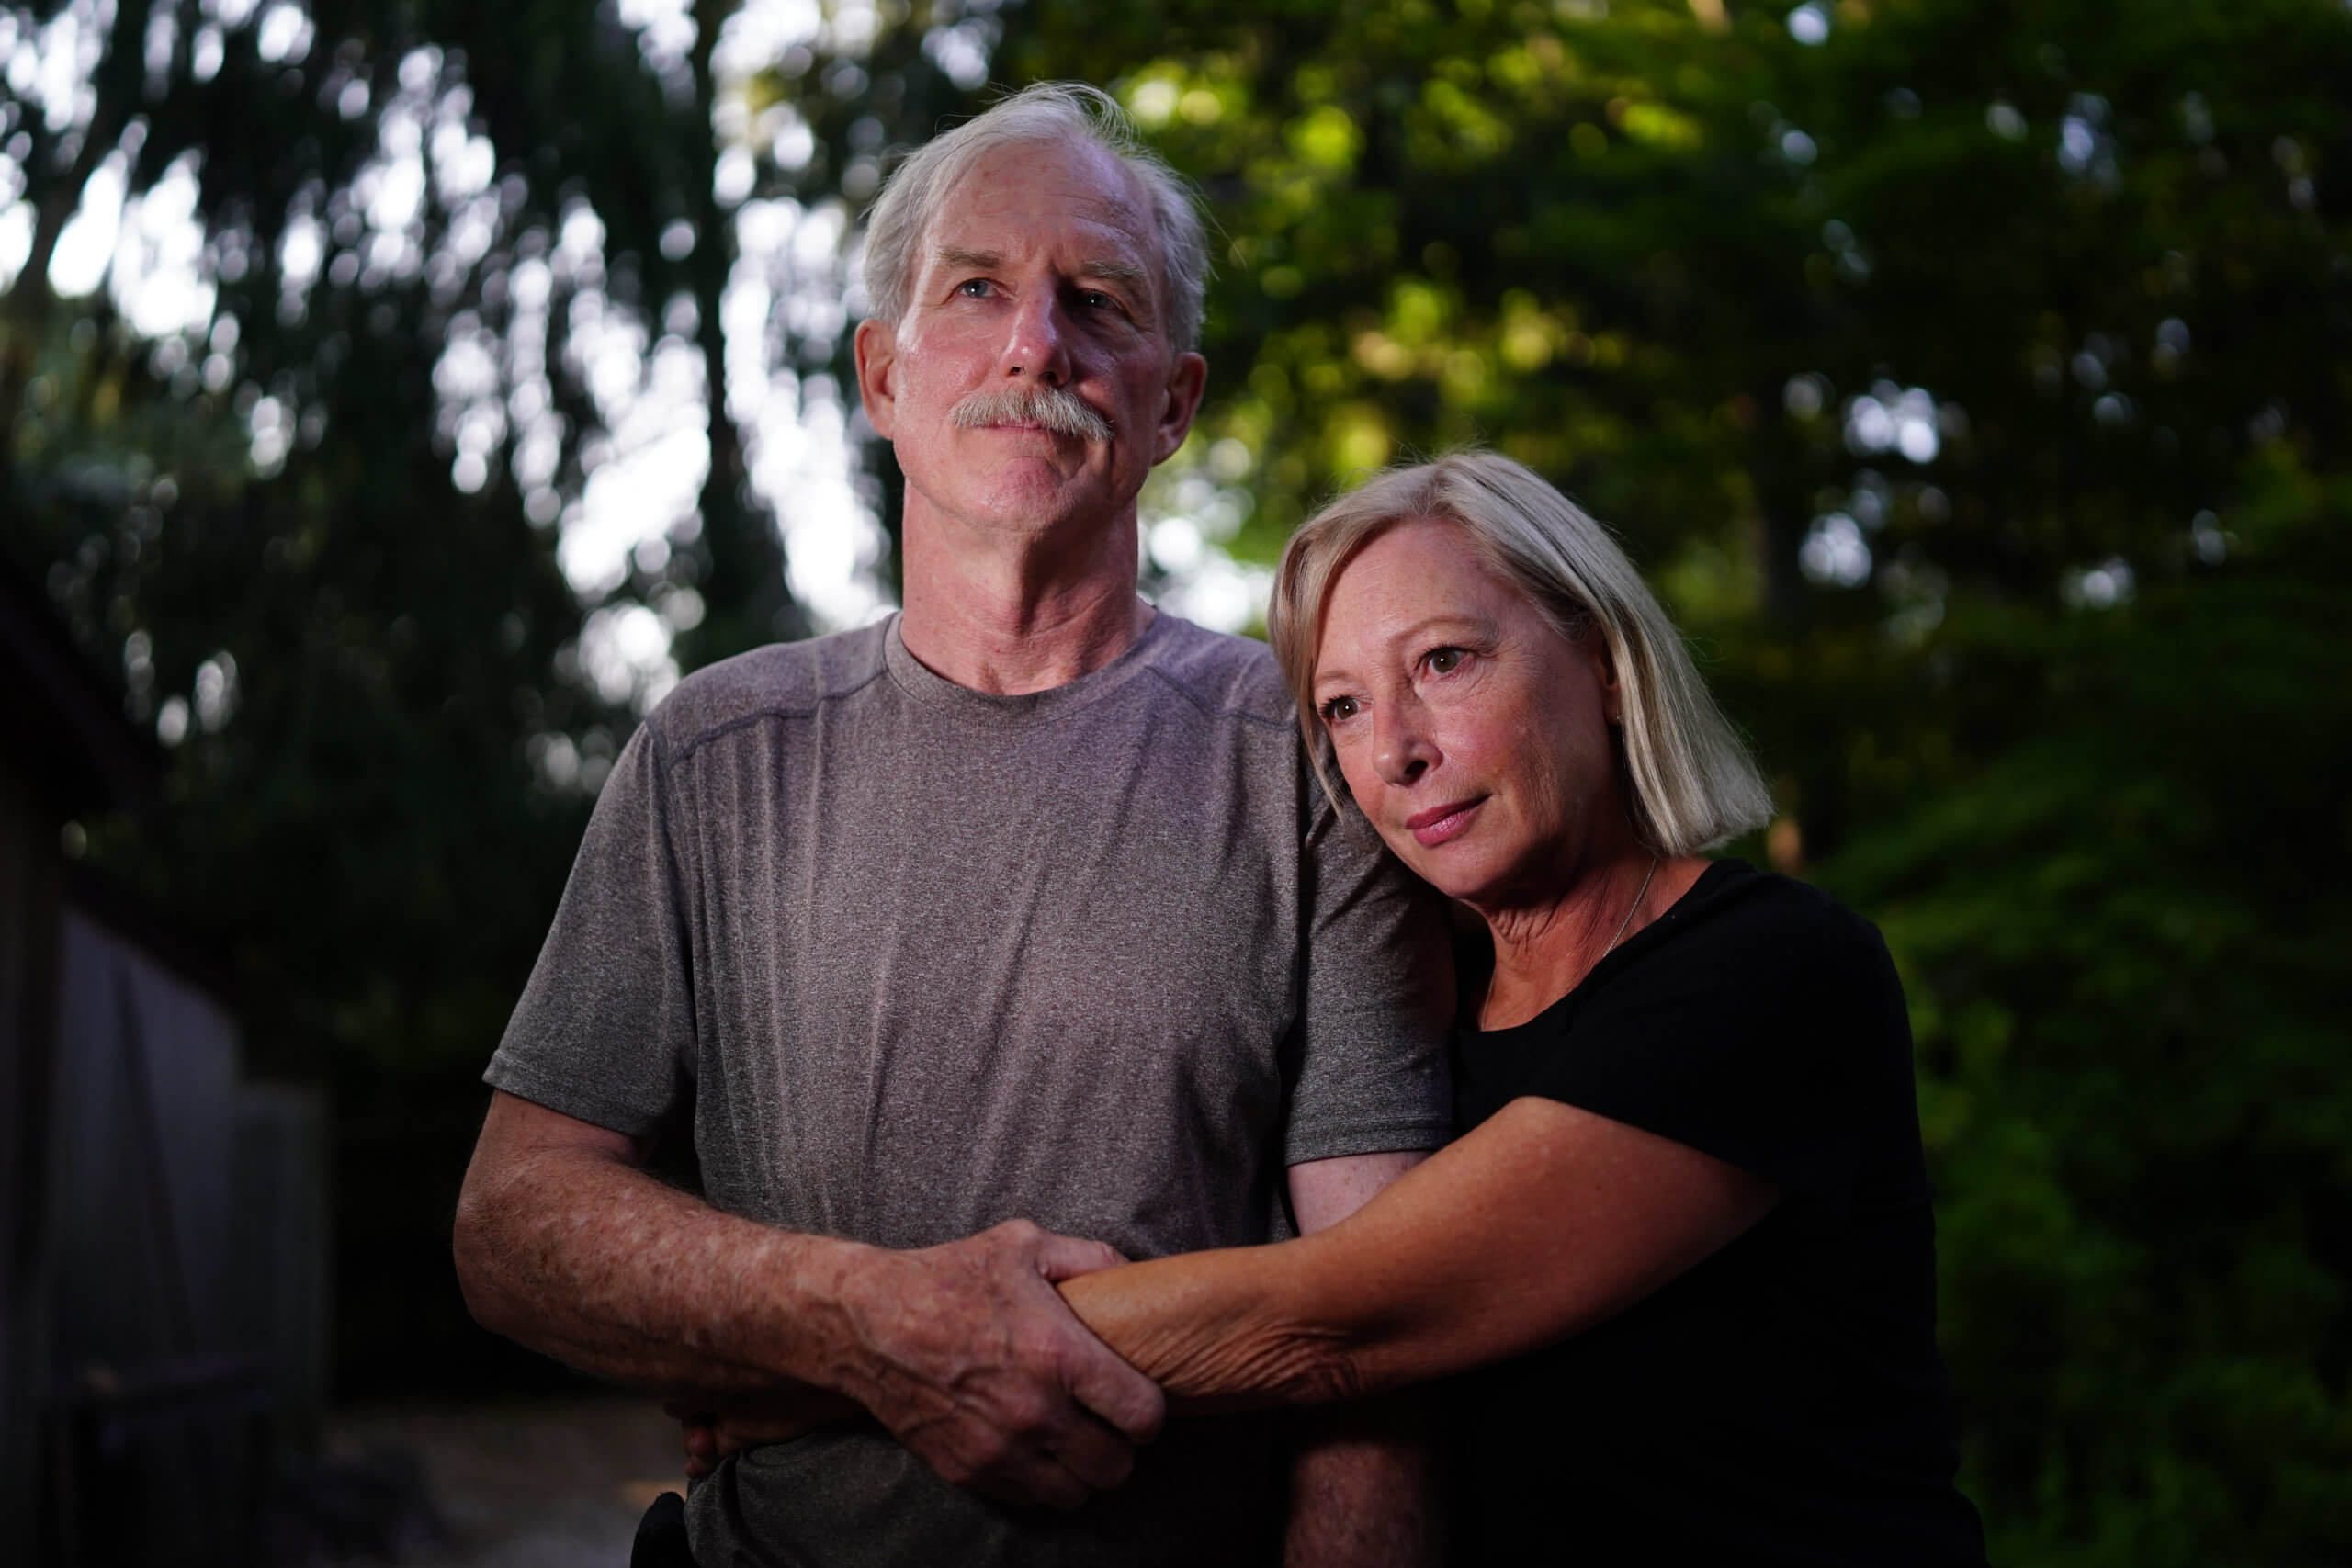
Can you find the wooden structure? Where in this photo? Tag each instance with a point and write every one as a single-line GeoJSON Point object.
{"type": "Point", "coordinates": [163, 1221]}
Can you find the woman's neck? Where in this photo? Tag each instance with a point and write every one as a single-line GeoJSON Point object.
{"type": "Point", "coordinates": [1544, 949]}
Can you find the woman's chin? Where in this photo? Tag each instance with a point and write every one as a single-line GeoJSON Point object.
{"type": "Point", "coordinates": [1460, 876]}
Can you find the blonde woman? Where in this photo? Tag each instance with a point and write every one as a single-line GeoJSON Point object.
{"type": "Point", "coordinates": [1682, 1247]}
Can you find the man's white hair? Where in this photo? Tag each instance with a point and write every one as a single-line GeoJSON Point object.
{"type": "Point", "coordinates": [1046, 112]}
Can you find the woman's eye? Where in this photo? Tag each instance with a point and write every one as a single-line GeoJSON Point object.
{"type": "Point", "coordinates": [1339, 709]}
{"type": "Point", "coordinates": [972, 287]}
{"type": "Point", "coordinates": [1445, 660]}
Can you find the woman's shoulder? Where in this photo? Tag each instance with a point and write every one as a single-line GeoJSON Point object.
{"type": "Point", "coordinates": [1735, 902]}
{"type": "Point", "coordinates": [1759, 1020]}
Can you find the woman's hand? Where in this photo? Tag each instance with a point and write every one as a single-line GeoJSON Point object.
{"type": "Point", "coordinates": [716, 1428]}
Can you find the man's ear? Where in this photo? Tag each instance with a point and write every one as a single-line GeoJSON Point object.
{"type": "Point", "coordinates": [1188, 378]}
{"type": "Point", "coordinates": [876, 348]}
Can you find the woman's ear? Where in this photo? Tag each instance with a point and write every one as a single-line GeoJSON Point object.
{"type": "Point", "coordinates": [1613, 696]}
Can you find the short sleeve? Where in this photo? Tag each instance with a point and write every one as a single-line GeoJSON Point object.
{"type": "Point", "coordinates": [605, 1030]}
{"type": "Point", "coordinates": [1378, 1000]}
{"type": "Point", "coordinates": [1758, 1037]}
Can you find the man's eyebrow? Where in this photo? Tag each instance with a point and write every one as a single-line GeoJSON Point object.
{"type": "Point", "coordinates": [956, 256]}
{"type": "Point", "coordinates": [1110, 269]}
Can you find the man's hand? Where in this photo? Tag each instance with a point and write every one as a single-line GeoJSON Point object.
{"type": "Point", "coordinates": [968, 1354]}
{"type": "Point", "coordinates": [713, 1429]}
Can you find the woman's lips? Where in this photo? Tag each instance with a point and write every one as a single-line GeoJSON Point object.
{"type": "Point", "coordinates": [1439, 823]}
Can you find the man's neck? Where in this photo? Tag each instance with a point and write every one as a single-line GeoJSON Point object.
{"type": "Point", "coordinates": [1008, 614]}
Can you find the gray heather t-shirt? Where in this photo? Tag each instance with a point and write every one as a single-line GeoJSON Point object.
{"type": "Point", "coordinates": [912, 960]}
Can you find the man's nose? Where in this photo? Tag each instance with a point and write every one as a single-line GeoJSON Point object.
{"type": "Point", "coordinates": [1401, 747]}
{"type": "Point", "coordinates": [1038, 342]}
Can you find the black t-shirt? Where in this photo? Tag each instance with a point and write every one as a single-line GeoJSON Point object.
{"type": "Point", "coordinates": [1783, 1402]}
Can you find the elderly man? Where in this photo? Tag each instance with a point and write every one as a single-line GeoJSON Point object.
{"type": "Point", "coordinates": [1020, 908]}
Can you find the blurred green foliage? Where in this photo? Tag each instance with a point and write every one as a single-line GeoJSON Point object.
{"type": "Point", "coordinates": [1972, 378]}
{"type": "Point", "coordinates": [2124, 938]}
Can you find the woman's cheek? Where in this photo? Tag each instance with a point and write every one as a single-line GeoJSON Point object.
{"type": "Point", "coordinates": [1356, 771]}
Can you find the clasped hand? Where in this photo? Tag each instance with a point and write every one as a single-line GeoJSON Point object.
{"type": "Point", "coordinates": [967, 1355]}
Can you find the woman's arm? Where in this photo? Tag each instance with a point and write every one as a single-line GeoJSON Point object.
{"type": "Point", "coordinates": [1541, 1223]}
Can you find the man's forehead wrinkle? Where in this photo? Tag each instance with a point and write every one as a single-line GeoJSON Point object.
{"type": "Point", "coordinates": [1112, 194]}
{"type": "Point", "coordinates": [1119, 195]}
{"type": "Point", "coordinates": [1080, 193]}
{"type": "Point", "coordinates": [1114, 269]}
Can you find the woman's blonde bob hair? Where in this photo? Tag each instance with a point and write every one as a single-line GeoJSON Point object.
{"type": "Point", "coordinates": [1693, 783]}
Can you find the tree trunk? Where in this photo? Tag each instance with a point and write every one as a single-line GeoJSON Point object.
{"type": "Point", "coordinates": [745, 600]}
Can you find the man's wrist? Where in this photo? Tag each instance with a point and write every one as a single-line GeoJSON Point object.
{"type": "Point", "coordinates": [815, 1300]}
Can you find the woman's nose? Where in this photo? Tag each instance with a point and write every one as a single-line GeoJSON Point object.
{"type": "Point", "coordinates": [1401, 749]}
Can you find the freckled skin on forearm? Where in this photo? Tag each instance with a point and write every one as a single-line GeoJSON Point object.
{"type": "Point", "coordinates": [580, 1255]}
{"type": "Point", "coordinates": [963, 1351]}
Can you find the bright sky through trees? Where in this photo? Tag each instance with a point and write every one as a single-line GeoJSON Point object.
{"type": "Point", "coordinates": [647, 462]}
{"type": "Point", "coordinates": [792, 280]}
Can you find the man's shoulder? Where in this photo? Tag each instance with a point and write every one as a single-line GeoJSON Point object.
{"type": "Point", "coordinates": [785, 680]}
{"type": "Point", "coordinates": [1224, 675]}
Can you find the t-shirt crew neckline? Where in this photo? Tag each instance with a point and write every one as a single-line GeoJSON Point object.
{"type": "Point", "coordinates": [933, 690]}
{"type": "Point", "coordinates": [1700, 893]}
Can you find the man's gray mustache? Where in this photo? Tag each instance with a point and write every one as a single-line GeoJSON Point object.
{"type": "Point", "coordinates": [1057, 409]}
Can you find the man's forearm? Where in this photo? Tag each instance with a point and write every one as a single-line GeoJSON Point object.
{"type": "Point", "coordinates": [577, 1253]}
{"type": "Point", "coordinates": [1362, 1494]}
{"type": "Point", "coordinates": [963, 1351]}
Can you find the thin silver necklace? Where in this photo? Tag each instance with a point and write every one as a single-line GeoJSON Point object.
{"type": "Point", "coordinates": [1636, 904]}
